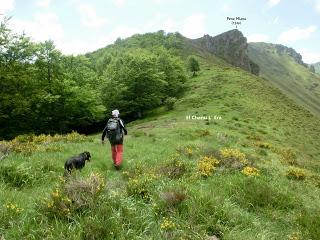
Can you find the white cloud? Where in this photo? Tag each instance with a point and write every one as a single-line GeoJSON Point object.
{"type": "Point", "coordinates": [308, 56]}
{"type": "Point", "coordinates": [296, 33]}
{"type": "Point", "coordinates": [122, 32]}
{"type": "Point", "coordinates": [43, 26]}
{"type": "Point", "coordinates": [89, 16]}
{"type": "Point", "coordinates": [257, 38]}
{"type": "Point", "coordinates": [169, 25]}
{"type": "Point", "coordinates": [84, 46]}
{"type": "Point", "coordinates": [43, 3]}
{"type": "Point", "coordinates": [272, 3]}
{"type": "Point", "coordinates": [6, 6]}
{"type": "Point", "coordinates": [194, 26]}
{"type": "Point", "coordinates": [81, 46]}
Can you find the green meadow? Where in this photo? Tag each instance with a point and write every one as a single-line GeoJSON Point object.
{"type": "Point", "coordinates": [253, 174]}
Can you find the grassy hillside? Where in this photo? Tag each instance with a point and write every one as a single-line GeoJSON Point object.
{"type": "Point", "coordinates": [293, 79]}
{"type": "Point", "coordinates": [253, 174]}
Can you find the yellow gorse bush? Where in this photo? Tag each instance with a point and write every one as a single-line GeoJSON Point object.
{"type": "Point", "coordinates": [263, 145]}
{"type": "Point", "coordinates": [74, 137]}
{"type": "Point", "coordinates": [296, 173]}
{"type": "Point", "coordinates": [139, 187]}
{"type": "Point", "coordinates": [140, 181]}
{"type": "Point", "coordinates": [167, 224]}
{"type": "Point", "coordinates": [97, 182]}
{"type": "Point", "coordinates": [73, 195]}
{"type": "Point", "coordinates": [250, 171]}
{"type": "Point", "coordinates": [288, 155]}
{"type": "Point", "coordinates": [226, 153]}
{"type": "Point", "coordinates": [12, 207]}
{"type": "Point", "coordinates": [58, 204]}
{"type": "Point", "coordinates": [28, 144]}
{"type": "Point", "coordinates": [70, 137]}
{"type": "Point", "coordinates": [294, 236]}
{"type": "Point", "coordinates": [18, 147]}
{"type": "Point", "coordinates": [189, 151]}
{"type": "Point", "coordinates": [206, 165]}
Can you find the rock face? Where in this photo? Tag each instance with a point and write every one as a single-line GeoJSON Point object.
{"type": "Point", "coordinates": [316, 67]}
{"type": "Point", "coordinates": [282, 50]}
{"type": "Point", "coordinates": [230, 46]}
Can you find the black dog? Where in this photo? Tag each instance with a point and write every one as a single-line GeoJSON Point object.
{"type": "Point", "coordinates": [77, 162]}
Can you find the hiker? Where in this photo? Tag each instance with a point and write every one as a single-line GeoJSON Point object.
{"type": "Point", "coordinates": [114, 131]}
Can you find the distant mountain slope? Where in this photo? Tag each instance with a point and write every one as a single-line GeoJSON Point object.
{"type": "Point", "coordinates": [285, 69]}
{"type": "Point", "coordinates": [317, 67]}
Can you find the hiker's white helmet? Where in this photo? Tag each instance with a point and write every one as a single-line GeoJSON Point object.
{"type": "Point", "coordinates": [115, 113]}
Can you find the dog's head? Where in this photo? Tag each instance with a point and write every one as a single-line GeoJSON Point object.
{"type": "Point", "coordinates": [86, 156]}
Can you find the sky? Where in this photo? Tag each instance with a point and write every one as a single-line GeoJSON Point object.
{"type": "Point", "coordinates": [79, 26]}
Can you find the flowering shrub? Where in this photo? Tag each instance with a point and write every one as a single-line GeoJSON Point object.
{"type": "Point", "coordinates": [167, 224]}
{"type": "Point", "coordinates": [140, 187]}
{"type": "Point", "coordinates": [58, 204]}
{"type": "Point", "coordinates": [263, 145]}
{"type": "Point", "coordinates": [26, 148]}
{"type": "Point", "coordinates": [206, 165]}
{"type": "Point", "coordinates": [12, 208]}
{"type": "Point", "coordinates": [74, 137]}
{"type": "Point", "coordinates": [295, 236]}
{"type": "Point", "coordinates": [234, 158]}
{"type": "Point", "coordinates": [8, 214]}
{"type": "Point", "coordinates": [288, 156]}
{"type": "Point", "coordinates": [250, 171]}
{"type": "Point", "coordinates": [28, 144]}
{"type": "Point", "coordinates": [76, 194]}
{"type": "Point", "coordinates": [189, 151]}
{"type": "Point", "coordinates": [296, 173]}
{"type": "Point", "coordinates": [133, 172]}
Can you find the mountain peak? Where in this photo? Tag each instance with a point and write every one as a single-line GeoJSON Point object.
{"type": "Point", "coordinates": [232, 33]}
{"type": "Point", "coordinates": [230, 46]}
{"type": "Point", "coordinates": [281, 49]}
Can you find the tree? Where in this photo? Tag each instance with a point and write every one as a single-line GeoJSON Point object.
{"type": "Point", "coordinates": [193, 65]}
{"type": "Point", "coordinates": [134, 83]}
{"type": "Point", "coordinates": [173, 70]}
{"type": "Point", "coordinates": [137, 80]}
{"type": "Point", "coordinates": [17, 81]}
{"type": "Point", "coordinates": [43, 91]}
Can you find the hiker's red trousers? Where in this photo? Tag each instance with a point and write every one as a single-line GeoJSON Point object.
{"type": "Point", "coordinates": [117, 150]}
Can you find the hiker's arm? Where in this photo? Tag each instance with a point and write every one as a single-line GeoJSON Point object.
{"type": "Point", "coordinates": [123, 127]}
{"type": "Point", "coordinates": [104, 133]}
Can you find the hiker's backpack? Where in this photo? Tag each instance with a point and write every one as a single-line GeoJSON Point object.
{"type": "Point", "coordinates": [114, 132]}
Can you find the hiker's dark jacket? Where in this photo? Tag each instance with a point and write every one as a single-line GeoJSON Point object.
{"type": "Point", "coordinates": [122, 129]}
